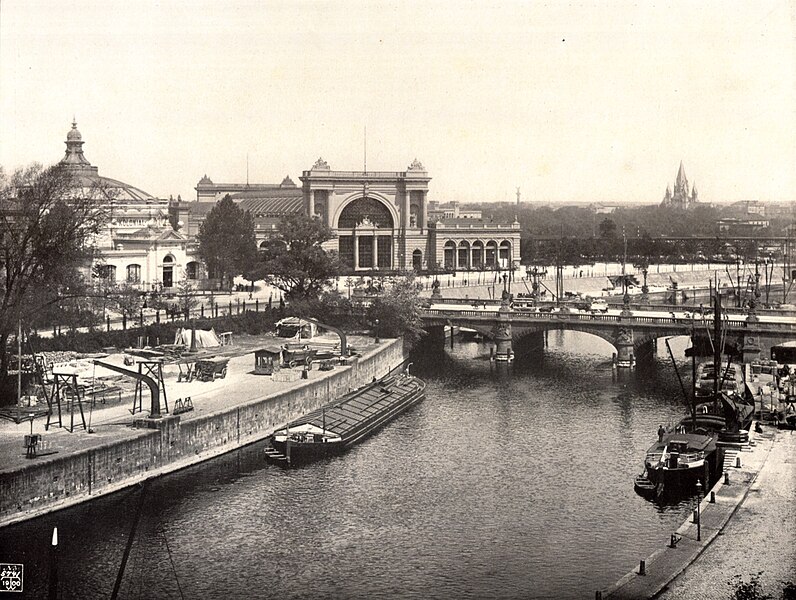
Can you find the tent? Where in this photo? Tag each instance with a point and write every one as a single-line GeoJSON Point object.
{"type": "Point", "coordinates": [204, 339]}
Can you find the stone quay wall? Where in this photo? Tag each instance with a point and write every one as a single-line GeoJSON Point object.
{"type": "Point", "coordinates": [172, 443]}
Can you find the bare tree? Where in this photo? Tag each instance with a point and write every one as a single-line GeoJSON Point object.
{"type": "Point", "coordinates": [49, 219]}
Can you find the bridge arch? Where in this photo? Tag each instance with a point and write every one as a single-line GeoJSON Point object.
{"type": "Point", "coordinates": [518, 333]}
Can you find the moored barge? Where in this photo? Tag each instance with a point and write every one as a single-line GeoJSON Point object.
{"type": "Point", "coordinates": [340, 424]}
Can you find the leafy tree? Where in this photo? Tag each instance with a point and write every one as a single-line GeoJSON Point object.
{"type": "Point", "coordinates": [48, 221]}
{"type": "Point", "coordinates": [398, 311]}
{"type": "Point", "coordinates": [295, 261]}
{"type": "Point", "coordinates": [226, 241]}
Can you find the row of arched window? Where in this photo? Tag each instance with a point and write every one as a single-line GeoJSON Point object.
{"type": "Point", "coordinates": [477, 254]}
{"type": "Point", "coordinates": [133, 271]}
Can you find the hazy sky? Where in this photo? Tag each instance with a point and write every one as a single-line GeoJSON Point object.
{"type": "Point", "coordinates": [569, 101]}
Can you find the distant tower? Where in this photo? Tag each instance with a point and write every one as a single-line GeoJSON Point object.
{"type": "Point", "coordinates": [680, 197]}
{"type": "Point", "coordinates": [518, 196]}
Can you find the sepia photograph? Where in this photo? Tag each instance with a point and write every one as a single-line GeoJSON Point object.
{"type": "Point", "coordinates": [372, 299]}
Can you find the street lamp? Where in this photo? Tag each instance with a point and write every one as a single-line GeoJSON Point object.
{"type": "Point", "coordinates": [698, 510]}
{"type": "Point", "coordinates": [376, 332]}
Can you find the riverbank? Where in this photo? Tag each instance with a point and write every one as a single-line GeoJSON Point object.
{"type": "Point", "coordinates": [125, 449]}
{"type": "Point", "coordinates": [752, 511]}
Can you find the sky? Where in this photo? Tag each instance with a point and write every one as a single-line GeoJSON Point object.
{"type": "Point", "coordinates": [582, 101]}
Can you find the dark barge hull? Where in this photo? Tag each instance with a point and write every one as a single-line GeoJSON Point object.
{"type": "Point", "coordinates": [354, 417]}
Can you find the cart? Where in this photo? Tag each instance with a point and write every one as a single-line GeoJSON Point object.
{"type": "Point", "coordinates": [298, 354]}
{"type": "Point", "coordinates": [211, 369]}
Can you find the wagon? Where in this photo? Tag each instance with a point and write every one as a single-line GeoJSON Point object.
{"type": "Point", "coordinates": [294, 355]}
{"type": "Point", "coordinates": [211, 369]}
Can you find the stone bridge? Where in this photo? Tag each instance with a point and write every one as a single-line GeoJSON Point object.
{"type": "Point", "coordinates": [627, 332]}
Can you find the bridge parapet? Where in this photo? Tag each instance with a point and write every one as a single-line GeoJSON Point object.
{"type": "Point", "coordinates": [627, 333]}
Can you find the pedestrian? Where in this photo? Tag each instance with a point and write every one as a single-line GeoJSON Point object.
{"type": "Point", "coordinates": [661, 432]}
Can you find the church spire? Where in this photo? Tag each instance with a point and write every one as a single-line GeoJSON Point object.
{"type": "Point", "coordinates": [681, 180]}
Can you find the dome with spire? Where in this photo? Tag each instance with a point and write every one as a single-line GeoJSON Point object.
{"type": "Point", "coordinates": [74, 134]}
{"type": "Point", "coordinates": [88, 176]}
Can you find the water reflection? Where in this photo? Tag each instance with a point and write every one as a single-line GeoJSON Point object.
{"type": "Point", "coordinates": [504, 483]}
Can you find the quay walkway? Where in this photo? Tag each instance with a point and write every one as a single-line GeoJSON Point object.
{"type": "Point", "coordinates": [760, 536]}
{"type": "Point", "coordinates": [111, 424]}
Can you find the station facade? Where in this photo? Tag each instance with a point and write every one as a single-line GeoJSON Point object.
{"type": "Point", "coordinates": [380, 221]}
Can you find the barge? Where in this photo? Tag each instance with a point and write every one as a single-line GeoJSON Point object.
{"type": "Point", "coordinates": [338, 425]}
{"type": "Point", "coordinates": [676, 462]}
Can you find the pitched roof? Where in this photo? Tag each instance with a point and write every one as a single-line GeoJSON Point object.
{"type": "Point", "coordinates": [279, 205]}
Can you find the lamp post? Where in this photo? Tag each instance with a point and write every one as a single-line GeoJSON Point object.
{"type": "Point", "coordinates": [698, 510]}
{"type": "Point", "coordinates": [738, 263]}
{"type": "Point", "coordinates": [376, 332]}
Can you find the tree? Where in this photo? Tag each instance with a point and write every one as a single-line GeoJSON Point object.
{"type": "Point", "coordinates": [398, 310]}
{"type": "Point", "coordinates": [294, 261]}
{"type": "Point", "coordinates": [127, 299]}
{"type": "Point", "coordinates": [186, 296]}
{"type": "Point", "coordinates": [226, 241]}
{"type": "Point", "coordinates": [48, 221]}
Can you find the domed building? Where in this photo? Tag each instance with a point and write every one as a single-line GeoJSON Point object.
{"type": "Point", "coordinates": [138, 246]}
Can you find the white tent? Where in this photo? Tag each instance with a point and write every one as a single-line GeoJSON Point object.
{"type": "Point", "coordinates": [204, 339]}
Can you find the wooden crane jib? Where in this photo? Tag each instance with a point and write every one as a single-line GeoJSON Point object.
{"type": "Point", "coordinates": [154, 412]}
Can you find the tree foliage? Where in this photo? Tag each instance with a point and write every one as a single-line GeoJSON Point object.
{"type": "Point", "coordinates": [294, 261]}
{"type": "Point", "coordinates": [48, 222]}
{"type": "Point", "coordinates": [226, 241]}
{"type": "Point", "coordinates": [398, 310]}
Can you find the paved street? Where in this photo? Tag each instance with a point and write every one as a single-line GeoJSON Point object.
{"type": "Point", "coordinates": [761, 536]}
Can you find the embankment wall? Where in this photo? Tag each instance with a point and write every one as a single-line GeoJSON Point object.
{"type": "Point", "coordinates": [175, 442]}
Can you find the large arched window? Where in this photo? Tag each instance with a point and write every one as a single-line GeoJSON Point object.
{"type": "Point", "coordinates": [365, 208]}
{"type": "Point", "coordinates": [108, 273]}
{"type": "Point", "coordinates": [478, 254]}
{"type": "Point", "coordinates": [417, 260]}
{"type": "Point", "coordinates": [192, 270]}
{"type": "Point", "coordinates": [505, 254]}
{"type": "Point", "coordinates": [133, 273]}
{"type": "Point", "coordinates": [463, 258]}
{"type": "Point", "coordinates": [168, 271]}
{"type": "Point", "coordinates": [491, 254]}
{"type": "Point", "coordinates": [450, 255]}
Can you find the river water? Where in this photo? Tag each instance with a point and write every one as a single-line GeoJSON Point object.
{"type": "Point", "coordinates": [502, 483]}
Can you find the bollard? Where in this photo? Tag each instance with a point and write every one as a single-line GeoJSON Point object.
{"type": "Point", "coordinates": [673, 541]}
{"type": "Point", "coordinates": [642, 568]}
{"type": "Point", "coordinates": [726, 478]}
{"type": "Point", "coordinates": [737, 462]}
{"type": "Point", "coordinates": [713, 497]}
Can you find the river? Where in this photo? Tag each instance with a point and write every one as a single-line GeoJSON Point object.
{"type": "Point", "coordinates": [502, 483]}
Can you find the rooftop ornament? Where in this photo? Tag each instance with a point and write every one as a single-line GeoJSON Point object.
{"type": "Point", "coordinates": [416, 166]}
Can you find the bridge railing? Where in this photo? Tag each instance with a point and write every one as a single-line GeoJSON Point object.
{"type": "Point", "coordinates": [520, 316]}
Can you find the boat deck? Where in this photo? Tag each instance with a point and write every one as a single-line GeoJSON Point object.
{"type": "Point", "coordinates": [352, 410]}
